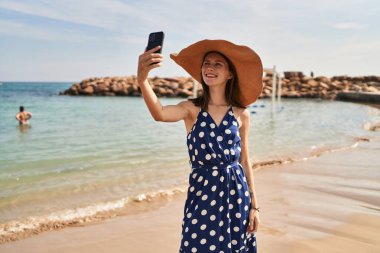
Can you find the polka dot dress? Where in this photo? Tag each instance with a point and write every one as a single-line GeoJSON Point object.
{"type": "Point", "coordinates": [216, 212]}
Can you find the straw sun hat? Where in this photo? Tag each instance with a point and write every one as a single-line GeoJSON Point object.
{"type": "Point", "coordinates": [246, 61]}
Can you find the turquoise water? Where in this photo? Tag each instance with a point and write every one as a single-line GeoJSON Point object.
{"type": "Point", "coordinates": [83, 151]}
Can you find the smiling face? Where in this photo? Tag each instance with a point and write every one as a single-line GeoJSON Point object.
{"type": "Point", "coordinates": [215, 69]}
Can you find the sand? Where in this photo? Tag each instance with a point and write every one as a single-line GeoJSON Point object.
{"type": "Point", "coordinates": [326, 204]}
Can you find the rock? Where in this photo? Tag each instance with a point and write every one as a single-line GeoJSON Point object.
{"type": "Point", "coordinates": [89, 90]}
{"type": "Point", "coordinates": [293, 74]}
{"type": "Point", "coordinates": [323, 79]}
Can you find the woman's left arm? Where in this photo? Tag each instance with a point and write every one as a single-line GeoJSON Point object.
{"type": "Point", "coordinates": [247, 165]}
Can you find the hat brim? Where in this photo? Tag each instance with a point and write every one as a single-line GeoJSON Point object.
{"type": "Point", "coordinates": [247, 63]}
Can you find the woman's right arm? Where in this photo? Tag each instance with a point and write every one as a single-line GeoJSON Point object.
{"type": "Point", "coordinates": [169, 113]}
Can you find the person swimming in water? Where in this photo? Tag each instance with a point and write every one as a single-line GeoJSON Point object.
{"type": "Point", "coordinates": [23, 116]}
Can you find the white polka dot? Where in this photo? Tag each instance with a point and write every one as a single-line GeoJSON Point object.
{"type": "Point", "coordinates": [221, 223]}
{"type": "Point", "coordinates": [203, 227]}
{"type": "Point", "coordinates": [225, 122]}
{"type": "Point", "coordinates": [227, 131]}
{"type": "Point", "coordinates": [203, 241]}
{"type": "Point", "coordinates": [213, 203]}
{"type": "Point", "coordinates": [212, 247]}
{"type": "Point", "coordinates": [221, 238]}
{"type": "Point", "coordinates": [194, 250]}
{"type": "Point", "coordinates": [212, 217]}
{"type": "Point", "coordinates": [221, 193]}
{"type": "Point", "coordinates": [189, 215]}
{"type": "Point", "coordinates": [191, 188]}
{"type": "Point", "coordinates": [193, 139]}
{"type": "Point", "coordinates": [210, 144]}
{"type": "Point", "coordinates": [221, 208]}
{"type": "Point", "coordinates": [196, 151]}
{"type": "Point", "coordinates": [199, 193]}
{"type": "Point", "coordinates": [208, 157]}
{"type": "Point", "coordinates": [240, 186]}
{"type": "Point", "coordinates": [215, 167]}
{"type": "Point", "coordinates": [193, 235]}
{"type": "Point", "coordinates": [226, 151]}
{"type": "Point", "coordinates": [204, 114]}
{"type": "Point", "coordinates": [246, 208]}
{"type": "Point", "coordinates": [187, 229]}
{"type": "Point", "coordinates": [212, 232]}
{"type": "Point", "coordinates": [233, 178]}
{"type": "Point", "coordinates": [213, 188]}
{"type": "Point", "coordinates": [203, 124]}
{"type": "Point", "coordinates": [200, 178]}
{"type": "Point", "coordinates": [244, 222]}
{"type": "Point", "coordinates": [221, 179]}
{"type": "Point", "coordinates": [238, 172]}
{"type": "Point", "coordinates": [229, 245]}
{"type": "Point", "coordinates": [230, 206]}
{"type": "Point", "coordinates": [186, 243]}
{"type": "Point", "coordinates": [246, 193]}
{"type": "Point", "coordinates": [215, 173]}
{"type": "Point", "coordinates": [228, 230]}
{"type": "Point", "coordinates": [219, 138]}
{"type": "Point", "coordinates": [204, 212]}
{"type": "Point", "coordinates": [193, 158]}
{"type": "Point", "coordinates": [212, 134]}
{"type": "Point", "coordinates": [190, 146]}
{"type": "Point", "coordinates": [194, 221]}
{"type": "Point", "coordinates": [236, 229]}
{"type": "Point", "coordinates": [213, 155]}
{"type": "Point", "coordinates": [234, 242]}
{"type": "Point", "coordinates": [206, 182]}
{"type": "Point", "coordinates": [204, 197]}
{"type": "Point", "coordinates": [232, 152]}
{"type": "Point", "coordinates": [229, 141]}
{"type": "Point", "coordinates": [212, 125]}
{"type": "Point", "coordinates": [239, 200]}
{"type": "Point", "coordinates": [232, 192]}
{"type": "Point", "coordinates": [201, 134]}
{"type": "Point", "coordinates": [203, 146]}
{"type": "Point", "coordinates": [238, 215]}
{"type": "Point", "coordinates": [234, 123]}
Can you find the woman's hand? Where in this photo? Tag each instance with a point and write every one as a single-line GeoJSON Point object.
{"type": "Point", "coordinates": [254, 221]}
{"type": "Point", "coordinates": [148, 61]}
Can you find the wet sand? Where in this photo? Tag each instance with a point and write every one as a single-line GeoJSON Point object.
{"type": "Point", "coordinates": [326, 204]}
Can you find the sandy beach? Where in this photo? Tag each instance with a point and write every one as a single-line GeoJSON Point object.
{"type": "Point", "coordinates": [325, 204]}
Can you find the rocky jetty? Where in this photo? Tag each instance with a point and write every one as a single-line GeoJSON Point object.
{"type": "Point", "coordinates": [293, 85]}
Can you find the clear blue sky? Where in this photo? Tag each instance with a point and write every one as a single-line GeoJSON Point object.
{"type": "Point", "coordinates": [57, 40]}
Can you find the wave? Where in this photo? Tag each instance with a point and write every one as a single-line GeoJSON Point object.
{"type": "Point", "coordinates": [143, 202]}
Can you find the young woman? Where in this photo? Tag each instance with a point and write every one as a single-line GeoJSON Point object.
{"type": "Point", "coordinates": [221, 212]}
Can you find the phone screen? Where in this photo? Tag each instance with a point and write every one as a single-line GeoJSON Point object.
{"type": "Point", "coordinates": [155, 39]}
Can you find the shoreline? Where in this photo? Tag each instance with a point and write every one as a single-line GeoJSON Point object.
{"type": "Point", "coordinates": [343, 216]}
{"type": "Point", "coordinates": [144, 202]}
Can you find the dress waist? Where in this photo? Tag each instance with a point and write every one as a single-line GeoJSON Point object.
{"type": "Point", "coordinates": [214, 166]}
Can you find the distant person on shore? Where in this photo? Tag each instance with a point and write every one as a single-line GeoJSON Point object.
{"type": "Point", "coordinates": [23, 116]}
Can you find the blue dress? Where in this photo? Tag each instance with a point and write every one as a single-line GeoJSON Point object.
{"type": "Point", "coordinates": [216, 212]}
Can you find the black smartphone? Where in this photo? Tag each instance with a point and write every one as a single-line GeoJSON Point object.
{"type": "Point", "coordinates": [155, 39]}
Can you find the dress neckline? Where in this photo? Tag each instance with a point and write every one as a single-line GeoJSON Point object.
{"type": "Point", "coordinates": [225, 115]}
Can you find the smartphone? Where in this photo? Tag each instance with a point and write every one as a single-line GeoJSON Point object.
{"type": "Point", "coordinates": [155, 39]}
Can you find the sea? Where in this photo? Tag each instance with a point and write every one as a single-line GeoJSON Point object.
{"type": "Point", "coordinates": [83, 156]}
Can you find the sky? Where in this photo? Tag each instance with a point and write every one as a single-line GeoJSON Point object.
{"type": "Point", "coordinates": [67, 40]}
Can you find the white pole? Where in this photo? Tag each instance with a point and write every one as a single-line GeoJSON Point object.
{"type": "Point", "coordinates": [273, 86]}
{"type": "Point", "coordinates": [195, 88]}
{"type": "Point", "coordinates": [279, 91]}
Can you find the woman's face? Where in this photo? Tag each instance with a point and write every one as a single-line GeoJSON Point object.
{"type": "Point", "coordinates": [215, 70]}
